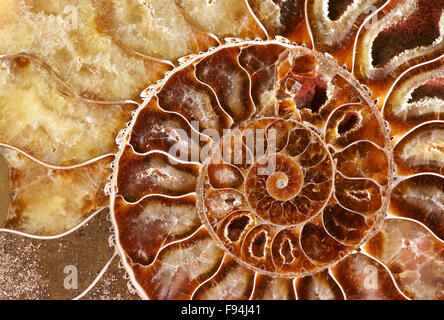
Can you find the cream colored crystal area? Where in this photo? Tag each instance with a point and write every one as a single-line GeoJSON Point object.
{"type": "Point", "coordinates": [333, 33]}
{"type": "Point", "coordinates": [223, 18]}
{"type": "Point", "coordinates": [157, 28]}
{"type": "Point", "coordinates": [66, 36]}
{"type": "Point", "coordinates": [45, 201]}
{"type": "Point", "coordinates": [4, 189]}
{"type": "Point", "coordinates": [270, 13]}
{"type": "Point", "coordinates": [54, 128]}
{"type": "Point", "coordinates": [401, 107]}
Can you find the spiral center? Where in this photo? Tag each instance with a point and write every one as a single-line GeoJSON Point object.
{"type": "Point", "coordinates": [285, 184]}
{"type": "Point", "coordinates": [282, 183]}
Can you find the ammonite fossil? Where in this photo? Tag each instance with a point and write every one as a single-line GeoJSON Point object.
{"type": "Point", "coordinates": [258, 149]}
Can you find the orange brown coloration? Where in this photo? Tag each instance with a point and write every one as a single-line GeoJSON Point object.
{"type": "Point", "coordinates": [416, 98]}
{"type": "Point", "coordinates": [335, 26]}
{"type": "Point", "coordinates": [421, 150]}
{"type": "Point", "coordinates": [277, 200]}
{"type": "Point", "coordinates": [184, 94]}
{"type": "Point", "coordinates": [154, 173]}
{"type": "Point", "coordinates": [420, 198]}
{"type": "Point", "coordinates": [153, 223]}
{"type": "Point", "coordinates": [231, 282]}
{"type": "Point", "coordinates": [279, 17]}
{"type": "Point", "coordinates": [412, 27]}
{"type": "Point", "coordinates": [263, 149]}
{"type": "Point", "coordinates": [231, 83]}
{"type": "Point", "coordinates": [363, 278]}
{"type": "Point", "coordinates": [244, 206]}
{"type": "Point", "coordinates": [414, 257]}
{"type": "Point", "coordinates": [273, 288]}
{"type": "Point", "coordinates": [260, 62]}
{"type": "Point", "coordinates": [158, 129]}
{"type": "Point", "coordinates": [319, 286]}
{"type": "Point", "coordinates": [174, 277]}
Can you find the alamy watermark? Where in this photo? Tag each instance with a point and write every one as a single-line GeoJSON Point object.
{"type": "Point", "coordinates": [71, 281]}
{"type": "Point", "coordinates": [371, 278]}
{"type": "Point", "coordinates": [233, 146]}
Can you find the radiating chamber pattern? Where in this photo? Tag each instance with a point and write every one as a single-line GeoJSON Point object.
{"type": "Point", "coordinates": [256, 149]}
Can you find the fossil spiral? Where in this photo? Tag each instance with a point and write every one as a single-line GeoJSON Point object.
{"type": "Point", "coordinates": [298, 180]}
